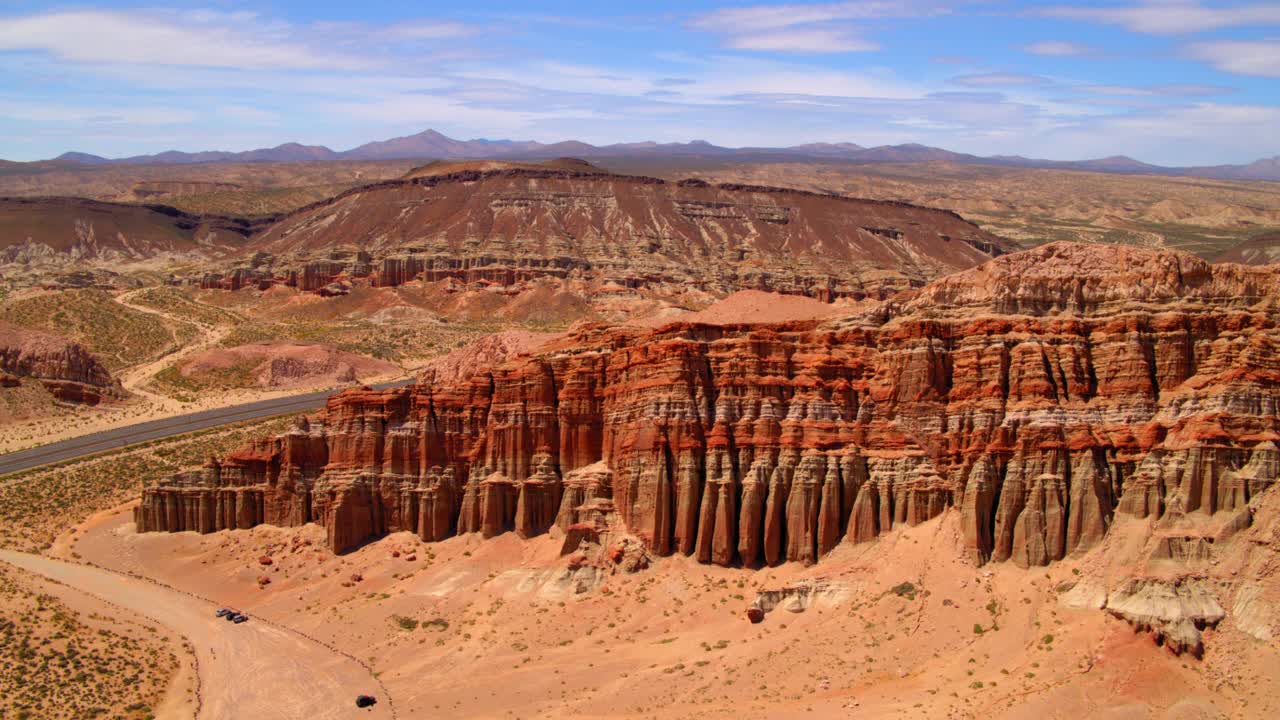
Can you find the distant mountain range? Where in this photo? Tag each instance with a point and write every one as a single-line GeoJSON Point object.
{"type": "Point", "coordinates": [433, 145]}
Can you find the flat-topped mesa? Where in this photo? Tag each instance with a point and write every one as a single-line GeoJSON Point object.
{"type": "Point", "coordinates": [757, 444]}
{"type": "Point", "coordinates": [509, 224]}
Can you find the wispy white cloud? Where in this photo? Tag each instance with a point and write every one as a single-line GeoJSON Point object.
{"type": "Point", "coordinates": [249, 115]}
{"type": "Point", "coordinates": [1242, 57]}
{"type": "Point", "coordinates": [806, 28]}
{"type": "Point", "coordinates": [561, 77]}
{"type": "Point", "coordinates": [429, 110]}
{"type": "Point", "coordinates": [1196, 134]}
{"type": "Point", "coordinates": [984, 80]}
{"type": "Point", "coordinates": [717, 77]}
{"type": "Point", "coordinates": [411, 30]}
{"type": "Point", "coordinates": [162, 38]}
{"type": "Point", "coordinates": [208, 39]}
{"type": "Point", "coordinates": [727, 76]}
{"type": "Point", "coordinates": [772, 17]}
{"type": "Point", "coordinates": [1172, 17]}
{"type": "Point", "coordinates": [1058, 48]}
{"type": "Point", "coordinates": [1192, 121]}
{"type": "Point", "coordinates": [93, 114]}
{"type": "Point", "coordinates": [1153, 91]}
{"type": "Point", "coordinates": [428, 30]}
{"type": "Point", "coordinates": [803, 40]}
{"type": "Point", "coordinates": [240, 80]}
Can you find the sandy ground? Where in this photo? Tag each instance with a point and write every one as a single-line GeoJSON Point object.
{"type": "Point", "coordinates": [251, 670]}
{"type": "Point", "coordinates": [755, 306]}
{"type": "Point", "coordinates": [502, 628]}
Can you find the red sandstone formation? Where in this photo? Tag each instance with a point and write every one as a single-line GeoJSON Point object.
{"type": "Point", "coordinates": [1038, 395]}
{"type": "Point", "coordinates": [510, 224]}
{"type": "Point", "coordinates": [66, 369]}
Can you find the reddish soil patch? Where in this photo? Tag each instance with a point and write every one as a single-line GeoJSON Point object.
{"type": "Point", "coordinates": [483, 353]}
{"type": "Point", "coordinates": [282, 364]}
{"type": "Point", "coordinates": [755, 306]}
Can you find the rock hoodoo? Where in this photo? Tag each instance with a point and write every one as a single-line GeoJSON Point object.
{"type": "Point", "coordinates": [1037, 396]}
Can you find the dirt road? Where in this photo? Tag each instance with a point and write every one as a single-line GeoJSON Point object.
{"type": "Point", "coordinates": [136, 378]}
{"type": "Point", "coordinates": [251, 670]}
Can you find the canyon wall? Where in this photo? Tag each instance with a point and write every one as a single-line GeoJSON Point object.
{"type": "Point", "coordinates": [1038, 395]}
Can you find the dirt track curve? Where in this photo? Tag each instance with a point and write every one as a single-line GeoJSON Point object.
{"type": "Point", "coordinates": [251, 670]}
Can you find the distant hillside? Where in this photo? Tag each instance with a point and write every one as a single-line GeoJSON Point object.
{"type": "Point", "coordinates": [1261, 250]}
{"type": "Point", "coordinates": [66, 231]}
{"type": "Point", "coordinates": [430, 144]}
{"type": "Point", "coordinates": [507, 223]}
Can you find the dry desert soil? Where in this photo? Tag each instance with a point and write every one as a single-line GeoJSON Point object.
{"type": "Point", "coordinates": [488, 629]}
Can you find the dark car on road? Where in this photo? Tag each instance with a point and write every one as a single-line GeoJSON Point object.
{"type": "Point", "coordinates": [239, 618]}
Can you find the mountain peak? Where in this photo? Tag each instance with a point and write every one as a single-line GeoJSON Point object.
{"type": "Point", "coordinates": [80, 157]}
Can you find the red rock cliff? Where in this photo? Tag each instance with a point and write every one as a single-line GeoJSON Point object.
{"type": "Point", "coordinates": [1038, 395]}
{"type": "Point", "coordinates": [67, 370]}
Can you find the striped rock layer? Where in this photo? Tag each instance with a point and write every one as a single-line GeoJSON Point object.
{"type": "Point", "coordinates": [1037, 396]}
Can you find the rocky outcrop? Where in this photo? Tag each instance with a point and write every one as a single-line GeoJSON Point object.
{"type": "Point", "coordinates": [1173, 611]}
{"type": "Point", "coordinates": [1034, 407]}
{"type": "Point", "coordinates": [796, 598]}
{"type": "Point", "coordinates": [508, 225]}
{"type": "Point", "coordinates": [68, 371]}
{"type": "Point", "coordinates": [236, 279]}
{"type": "Point", "coordinates": [1253, 613]}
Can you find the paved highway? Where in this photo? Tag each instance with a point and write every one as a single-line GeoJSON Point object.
{"type": "Point", "coordinates": [166, 427]}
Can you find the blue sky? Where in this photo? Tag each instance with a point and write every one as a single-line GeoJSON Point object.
{"type": "Point", "coordinates": [1167, 81]}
